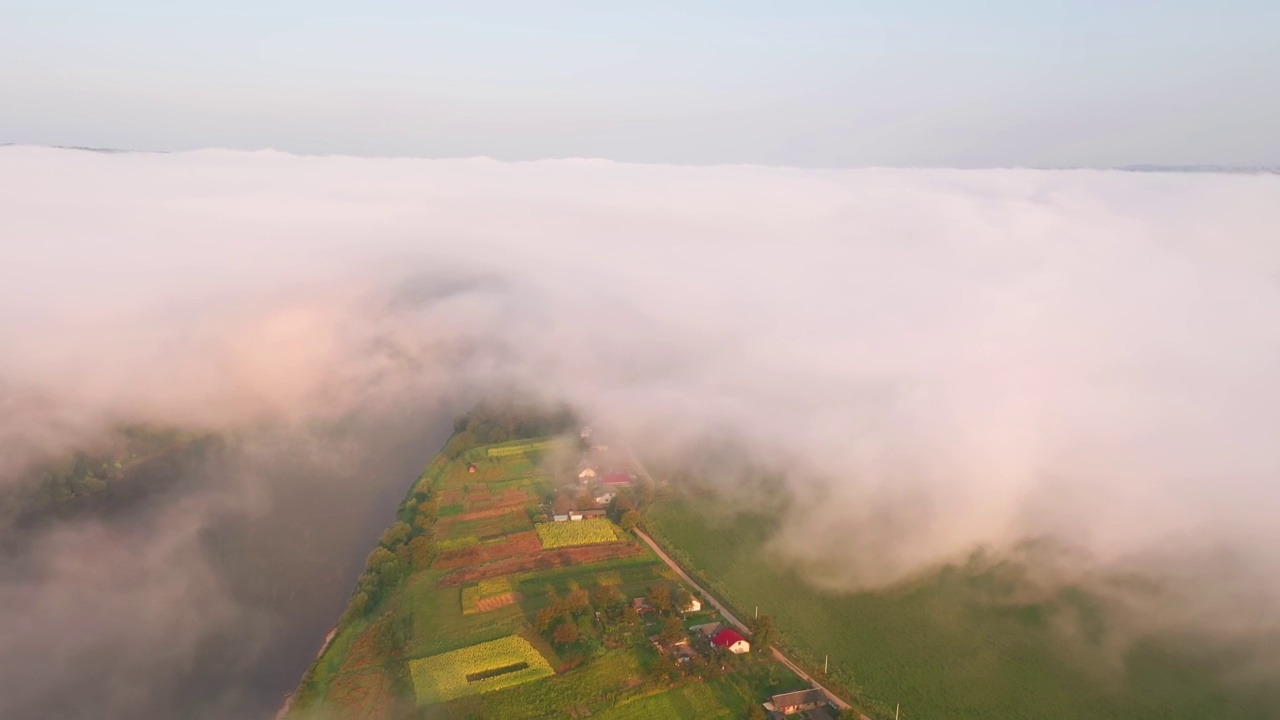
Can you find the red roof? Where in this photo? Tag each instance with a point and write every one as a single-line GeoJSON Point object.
{"type": "Point", "coordinates": [726, 637]}
{"type": "Point", "coordinates": [616, 479]}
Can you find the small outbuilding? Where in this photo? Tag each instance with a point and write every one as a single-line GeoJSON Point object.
{"type": "Point", "coordinates": [471, 468]}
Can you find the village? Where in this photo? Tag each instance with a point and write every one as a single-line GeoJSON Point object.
{"type": "Point", "coordinates": [692, 641]}
{"type": "Point", "coordinates": [519, 583]}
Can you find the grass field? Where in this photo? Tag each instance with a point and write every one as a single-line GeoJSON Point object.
{"type": "Point", "coordinates": [573, 533]}
{"type": "Point", "coordinates": [521, 448]}
{"type": "Point", "coordinates": [691, 702]}
{"type": "Point", "coordinates": [951, 645]}
{"type": "Point", "coordinates": [477, 669]}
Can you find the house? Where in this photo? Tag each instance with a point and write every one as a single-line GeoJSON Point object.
{"type": "Point", "coordinates": [471, 468]}
{"type": "Point", "coordinates": [606, 498]}
{"type": "Point", "coordinates": [641, 605]}
{"type": "Point", "coordinates": [799, 701]}
{"type": "Point", "coordinates": [694, 605]}
{"type": "Point", "coordinates": [617, 479]}
{"type": "Point", "coordinates": [730, 639]}
{"type": "Point", "coordinates": [560, 518]}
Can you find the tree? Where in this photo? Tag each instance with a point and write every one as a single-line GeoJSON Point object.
{"type": "Point", "coordinates": [609, 596]}
{"type": "Point", "coordinates": [764, 633]}
{"type": "Point", "coordinates": [421, 552]}
{"type": "Point", "coordinates": [566, 632]}
{"type": "Point", "coordinates": [664, 669]}
{"type": "Point", "coordinates": [630, 519]}
{"type": "Point", "coordinates": [547, 617]}
{"type": "Point", "coordinates": [561, 504]}
{"type": "Point", "coordinates": [681, 597]}
{"type": "Point", "coordinates": [756, 712]}
{"type": "Point", "coordinates": [578, 600]}
{"type": "Point", "coordinates": [660, 597]}
{"type": "Point", "coordinates": [672, 630]}
{"type": "Point", "coordinates": [395, 535]}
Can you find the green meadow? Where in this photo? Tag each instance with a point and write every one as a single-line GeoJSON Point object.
{"type": "Point", "coordinates": [958, 643]}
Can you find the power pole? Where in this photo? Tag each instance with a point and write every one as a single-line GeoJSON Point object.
{"type": "Point", "coordinates": [896, 708]}
{"type": "Point", "coordinates": [825, 658]}
{"type": "Point", "coordinates": [757, 612]}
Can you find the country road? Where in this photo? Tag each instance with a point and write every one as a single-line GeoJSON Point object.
{"type": "Point", "coordinates": [835, 700]}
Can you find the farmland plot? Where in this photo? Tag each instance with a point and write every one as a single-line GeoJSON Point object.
{"type": "Point", "coordinates": [477, 669]}
{"type": "Point", "coordinates": [574, 533]}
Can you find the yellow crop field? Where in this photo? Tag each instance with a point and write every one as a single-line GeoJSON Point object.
{"type": "Point", "coordinates": [576, 532]}
{"type": "Point", "coordinates": [477, 669]}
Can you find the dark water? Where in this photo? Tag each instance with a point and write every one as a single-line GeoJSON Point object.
{"type": "Point", "coordinates": [208, 597]}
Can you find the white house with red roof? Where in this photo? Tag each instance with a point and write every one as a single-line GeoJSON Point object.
{"type": "Point", "coordinates": [732, 640]}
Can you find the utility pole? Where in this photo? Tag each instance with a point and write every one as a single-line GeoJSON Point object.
{"type": "Point", "coordinates": [825, 658]}
{"type": "Point", "coordinates": [757, 612]}
{"type": "Point", "coordinates": [896, 708]}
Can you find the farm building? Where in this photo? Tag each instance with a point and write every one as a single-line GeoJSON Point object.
{"type": "Point", "coordinates": [575, 514]}
{"type": "Point", "coordinates": [641, 605]}
{"type": "Point", "coordinates": [694, 605]}
{"type": "Point", "coordinates": [587, 474]}
{"type": "Point", "coordinates": [617, 479]}
{"type": "Point", "coordinates": [590, 512]}
{"type": "Point", "coordinates": [560, 517]}
{"type": "Point", "coordinates": [798, 701]}
{"type": "Point", "coordinates": [730, 639]}
{"type": "Point", "coordinates": [706, 628]}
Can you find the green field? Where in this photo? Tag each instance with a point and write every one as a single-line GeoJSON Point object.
{"type": "Point", "coordinates": [509, 450]}
{"type": "Point", "coordinates": [576, 532]}
{"type": "Point", "coordinates": [691, 702]}
{"type": "Point", "coordinates": [467, 671]}
{"type": "Point", "coordinates": [959, 643]}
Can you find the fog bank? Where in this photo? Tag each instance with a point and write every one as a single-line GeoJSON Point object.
{"type": "Point", "coordinates": [936, 360]}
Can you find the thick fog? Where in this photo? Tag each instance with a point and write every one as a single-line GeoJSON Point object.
{"type": "Point", "coordinates": [934, 360]}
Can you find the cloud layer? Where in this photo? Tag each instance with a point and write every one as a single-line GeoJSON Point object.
{"type": "Point", "coordinates": [936, 359]}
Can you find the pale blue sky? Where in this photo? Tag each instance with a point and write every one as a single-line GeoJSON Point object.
{"type": "Point", "coordinates": [911, 82]}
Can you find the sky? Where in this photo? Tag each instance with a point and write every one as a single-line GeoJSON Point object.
{"type": "Point", "coordinates": [909, 83]}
